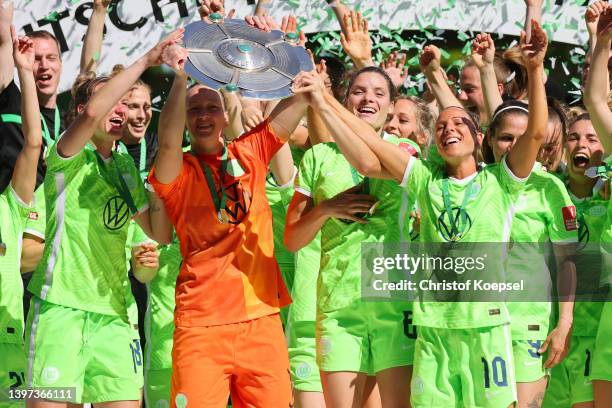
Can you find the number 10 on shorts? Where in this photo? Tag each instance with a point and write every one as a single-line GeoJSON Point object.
{"type": "Point", "coordinates": [498, 368]}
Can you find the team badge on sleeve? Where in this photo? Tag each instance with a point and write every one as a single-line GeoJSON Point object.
{"type": "Point", "coordinates": [569, 218]}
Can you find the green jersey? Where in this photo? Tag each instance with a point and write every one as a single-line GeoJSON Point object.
{"type": "Point", "coordinates": [279, 198]}
{"type": "Point", "coordinates": [159, 317]}
{"type": "Point", "coordinates": [481, 211]}
{"type": "Point", "coordinates": [324, 173]}
{"type": "Point", "coordinates": [592, 217]}
{"type": "Point", "coordinates": [89, 204]}
{"type": "Point", "coordinates": [542, 211]}
{"type": "Point", "coordinates": [136, 236]}
{"type": "Point", "coordinates": [13, 215]}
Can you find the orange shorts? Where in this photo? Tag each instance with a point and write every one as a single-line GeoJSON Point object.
{"type": "Point", "coordinates": [248, 360]}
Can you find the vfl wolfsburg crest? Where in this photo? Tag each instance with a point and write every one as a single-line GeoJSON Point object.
{"type": "Point", "coordinates": [453, 230]}
{"type": "Point", "coordinates": [116, 213]}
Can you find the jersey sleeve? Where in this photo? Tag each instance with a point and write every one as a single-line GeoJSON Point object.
{"type": "Point", "coordinates": [416, 176]}
{"type": "Point", "coordinates": [138, 236]}
{"type": "Point", "coordinates": [18, 207]}
{"type": "Point", "coordinates": [57, 163]}
{"type": "Point", "coordinates": [562, 225]}
{"type": "Point", "coordinates": [262, 141]}
{"type": "Point", "coordinates": [304, 180]}
{"type": "Point", "coordinates": [508, 180]}
{"type": "Point", "coordinates": [36, 222]}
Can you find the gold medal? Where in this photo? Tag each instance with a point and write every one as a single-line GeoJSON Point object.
{"type": "Point", "coordinates": [222, 215]}
{"type": "Point", "coordinates": [2, 249]}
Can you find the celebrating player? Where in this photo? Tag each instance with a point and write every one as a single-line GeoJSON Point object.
{"type": "Point", "coordinates": [91, 192]}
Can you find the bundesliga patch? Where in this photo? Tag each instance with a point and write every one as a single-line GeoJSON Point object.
{"type": "Point", "coordinates": [33, 216]}
{"type": "Point", "coordinates": [569, 218]}
{"type": "Point", "coordinates": [408, 148]}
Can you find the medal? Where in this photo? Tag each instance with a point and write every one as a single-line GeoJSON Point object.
{"type": "Point", "coordinates": [2, 249]}
{"type": "Point", "coordinates": [222, 216]}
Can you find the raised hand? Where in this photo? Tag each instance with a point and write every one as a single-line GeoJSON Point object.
{"type": "Point", "coordinates": [533, 52]}
{"type": "Point", "coordinates": [101, 3]}
{"type": "Point", "coordinates": [396, 68]}
{"type": "Point", "coordinates": [23, 51]}
{"type": "Point", "coordinates": [483, 50]}
{"type": "Point", "coordinates": [289, 25]}
{"type": "Point", "coordinates": [321, 68]}
{"type": "Point", "coordinates": [430, 59]}
{"type": "Point", "coordinates": [357, 43]}
{"type": "Point", "coordinates": [534, 3]}
{"type": "Point", "coordinates": [604, 25]}
{"type": "Point", "coordinates": [312, 86]}
{"type": "Point", "coordinates": [261, 22]}
{"type": "Point", "coordinates": [592, 14]}
{"type": "Point", "coordinates": [156, 55]}
{"type": "Point", "coordinates": [146, 256]}
{"type": "Point", "coordinates": [209, 7]}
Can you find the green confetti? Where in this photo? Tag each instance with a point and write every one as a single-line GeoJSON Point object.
{"type": "Point", "coordinates": [52, 16]}
{"type": "Point", "coordinates": [444, 53]}
{"type": "Point", "coordinates": [462, 36]}
{"type": "Point", "coordinates": [294, 3]}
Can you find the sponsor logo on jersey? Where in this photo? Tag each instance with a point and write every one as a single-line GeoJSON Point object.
{"type": "Point", "coordinates": [325, 345]}
{"type": "Point", "coordinates": [408, 148]}
{"type": "Point", "coordinates": [116, 213]}
{"type": "Point", "coordinates": [238, 202]}
{"type": "Point", "coordinates": [569, 218]}
{"type": "Point", "coordinates": [33, 216]}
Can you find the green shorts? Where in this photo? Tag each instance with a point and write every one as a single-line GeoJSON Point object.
{"type": "Point", "coordinates": [528, 364]}
{"type": "Point", "coordinates": [463, 368]}
{"type": "Point", "coordinates": [12, 373]}
{"type": "Point", "coordinates": [302, 346]}
{"type": "Point", "coordinates": [570, 381]}
{"type": "Point", "coordinates": [602, 359]}
{"type": "Point", "coordinates": [157, 388]}
{"type": "Point", "coordinates": [366, 337]}
{"type": "Point", "coordinates": [97, 354]}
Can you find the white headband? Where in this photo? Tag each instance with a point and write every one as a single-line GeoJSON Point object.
{"type": "Point", "coordinates": [507, 108]}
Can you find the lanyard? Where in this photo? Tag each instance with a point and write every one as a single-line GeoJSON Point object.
{"type": "Point", "coordinates": [121, 187]}
{"type": "Point", "coordinates": [142, 164]}
{"type": "Point", "coordinates": [455, 233]}
{"type": "Point", "coordinates": [219, 203]}
{"type": "Point", "coordinates": [14, 118]}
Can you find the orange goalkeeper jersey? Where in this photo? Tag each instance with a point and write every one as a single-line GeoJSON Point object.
{"type": "Point", "coordinates": [229, 273]}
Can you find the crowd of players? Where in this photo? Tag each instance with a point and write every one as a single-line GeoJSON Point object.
{"type": "Point", "coordinates": [249, 237]}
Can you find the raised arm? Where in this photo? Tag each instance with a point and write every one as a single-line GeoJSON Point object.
{"type": "Point", "coordinates": [169, 160]}
{"type": "Point", "coordinates": [598, 82]}
{"type": "Point", "coordinates": [340, 10]}
{"type": "Point", "coordinates": [92, 45]}
{"type": "Point", "coordinates": [430, 66]}
{"type": "Point", "coordinates": [357, 42]}
{"type": "Point", "coordinates": [6, 44]}
{"type": "Point", "coordinates": [395, 67]}
{"type": "Point", "coordinates": [533, 13]}
{"type": "Point", "coordinates": [24, 174]}
{"type": "Point", "coordinates": [483, 54]}
{"type": "Point", "coordinates": [233, 107]}
{"type": "Point", "coordinates": [523, 155]}
{"type": "Point", "coordinates": [83, 127]}
{"type": "Point", "coordinates": [591, 18]}
{"type": "Point", "coordinates": [281, 166]}
{"type": "Point", "coordinates": [263, 7]}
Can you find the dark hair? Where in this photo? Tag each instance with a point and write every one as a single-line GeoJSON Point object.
{"type": "Point", "coordinates": [336, 71]}
{"type": "Point", "coordinates": [81, 91]}
{"type": "Point", "coordinates": [376, 70]}
{"type": "Point", "coordinates": [47, 36]}
{"type": "Point", "coordinates": [509, 107]}
{"type": "Point", "coordinates": [556, 113]}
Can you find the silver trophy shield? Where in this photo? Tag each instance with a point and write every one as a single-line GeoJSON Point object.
{"type": "Point", "coordinates": [253, 62]}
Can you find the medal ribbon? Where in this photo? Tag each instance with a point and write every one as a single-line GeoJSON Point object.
{"type": "Point", "coordinates": [121, 187]}
{"type": "Point", "coordinates": [143, 157]}
{"type": "Point", "coordinates": [14, 118]}
{"type": "Point", "coordinates": [449, 208]}
{"type": "Point", "coordinates": [219, 203]}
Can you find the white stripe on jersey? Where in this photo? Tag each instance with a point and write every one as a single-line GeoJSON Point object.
{"type": "Point", "coordinates": [60, 209]}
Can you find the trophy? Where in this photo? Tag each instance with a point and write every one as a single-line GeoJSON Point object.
{"type": "Point", "coordinates": [232, 54]}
